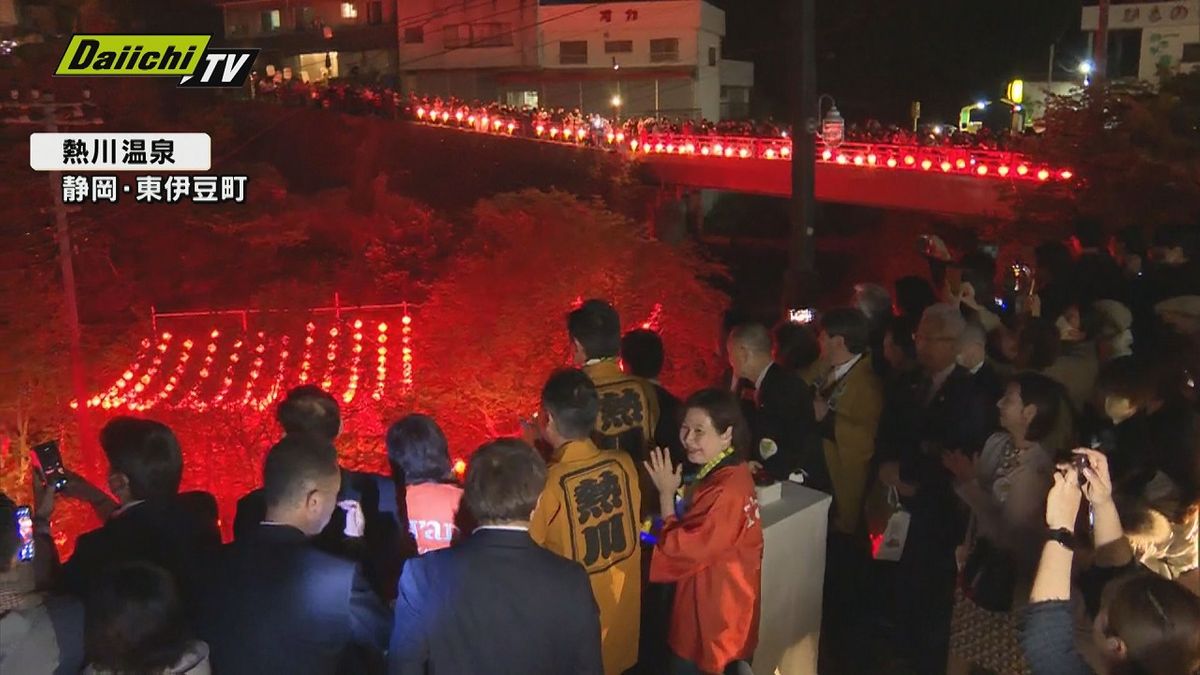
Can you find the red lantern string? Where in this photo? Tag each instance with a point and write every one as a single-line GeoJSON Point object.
{"type": "Point", "coordinates": [406, 352]}
{"type": "Point", "coordinates": [306, 360]}
{"type": "Point", "coordinates": [255, 369]}
{"type": "Point", "coordinates": [355, 349]}
{"type": "Point", "coordinates": [330, 359]}
{"type": "Point", "coordinates": [227, 381]}
{"type": "Point", "coordinates": [381, 367]}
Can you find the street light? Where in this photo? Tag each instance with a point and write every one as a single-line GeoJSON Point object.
{"type": "Point", "coordinates": [616, 101]}
{"type": "Point", "coordinates": [1086, 68]}
{"type": "Point", "coordinates": [616, 104]}
{"type": "Point", "coordinates": [980, 105]}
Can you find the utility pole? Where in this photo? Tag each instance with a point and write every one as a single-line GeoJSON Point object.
{"type": "Point", "coordinates": [1100, 57]}
{"type": "Point", "coordinates": [50, 110]}
{"type": "Point", "coordinates": [799, 281]}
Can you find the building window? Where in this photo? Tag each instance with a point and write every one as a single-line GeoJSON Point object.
{"type": "Point", "coordinates": [573, 52]}
{"type": "Point", "coordinates": [270, 21]}
{"type": "Point", "coordinates": [491, 35]}
{"type": "Point", "coordinates": [664, 50]}
{"type": "Point", "coordinates": [1191, 53]}
{"type": "Point", "coordinates": [712, 56]}
{"type": "Point", "coordinates": [349, 10]}
{"type": "Point", "coordinates": [618, 46]}
{"type": "Point", "coordinates": [375, 12]}
{"type": "Point", "coordinates": [456, 35]}
{"type": "Point", "coordinates": [414, 35]}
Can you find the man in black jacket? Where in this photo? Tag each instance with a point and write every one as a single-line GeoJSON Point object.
{"type": "Point", "coordinates": [497, 603]}
{"type": "Point", "coordinates": [151, 521]}
{"type": "Point", "coordinates": [310, 410]}
{"type": "Point", "coordinates": [273, 602]}
{"type": "Point", "coordinates": [785, 434]}
{"type": "Point", "coordinates": [937, 409]}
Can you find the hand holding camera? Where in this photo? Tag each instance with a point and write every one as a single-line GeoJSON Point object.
{"type": "Point", "coordinates": [1094, 480]}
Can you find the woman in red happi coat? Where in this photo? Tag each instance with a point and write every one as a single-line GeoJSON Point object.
{"type": "Point", "coordinates": [711, 544]}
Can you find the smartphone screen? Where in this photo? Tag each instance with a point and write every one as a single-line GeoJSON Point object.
{"type": "Point", "coordinates": [49, 460]}
{"type": "Point", "coordinates": [801, 316]}
{"type": "Point", "coordinates": [24, 523]}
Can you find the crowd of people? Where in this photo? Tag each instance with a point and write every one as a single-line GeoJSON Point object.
{"type": "Point", "coordinates": [352, 97]}
{"type": "Point", "coordinates": [960, 422]}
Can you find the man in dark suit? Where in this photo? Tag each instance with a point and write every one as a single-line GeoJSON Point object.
{"type": "Point", "coordinates": [386, 543]}
{"type": "Point", "coordinates": [785, 434]}
{"type": "Point", "coordinates": [936, 409]}
{"type": "Point", "coordinates": [151, 521]}
{"type": "Point", "coordinates": [497, 603]}
{"type": "Point", "coordinates": [273, 602]}
{"type": "Point", "coordinates": [642, 354]}
{"type": "Point", "coordinates": [972, 356]}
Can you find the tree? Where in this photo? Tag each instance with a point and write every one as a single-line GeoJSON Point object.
{"type": "Point", "coordinates": [1133, 149]}
{"type": "Point", "coordinates": [495, 325]}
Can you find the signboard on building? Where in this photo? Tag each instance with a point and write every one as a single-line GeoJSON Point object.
{"type": "Point", "coordinates": [1145, 15]}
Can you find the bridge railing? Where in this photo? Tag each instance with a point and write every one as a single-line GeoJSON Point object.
{"type": "Point", "coordinates": [957, 160]}
{"type": "Point", "coordinates": [961, 160]}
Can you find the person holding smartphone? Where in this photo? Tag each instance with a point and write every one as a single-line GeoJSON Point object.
{"type": "Point", "coordinates": [39, 632]}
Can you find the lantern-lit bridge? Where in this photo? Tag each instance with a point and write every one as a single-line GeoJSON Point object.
{"type": "Point", "coordinates": [940, 179]}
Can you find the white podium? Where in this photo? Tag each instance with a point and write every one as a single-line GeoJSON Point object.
{"type": "Point", "coordinates": [793, 581]}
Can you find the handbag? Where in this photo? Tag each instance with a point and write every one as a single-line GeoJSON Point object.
{"type": "Point", "coordinates": [989, 576]}
{"type": "Point", "coordinates": [890, 544]}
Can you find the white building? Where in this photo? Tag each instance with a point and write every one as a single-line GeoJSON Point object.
{"type": "Point", "coordinates": [317, 39]}
{"type": "Point", "coordinates": [1147, 38]}
{"type": "Point", "coordinates": [643, 57]}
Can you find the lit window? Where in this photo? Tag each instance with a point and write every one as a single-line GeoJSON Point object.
{"type": "Point", "coordinates": [271, 21]}
{"type": "Point", "coordinates": [349, 10]}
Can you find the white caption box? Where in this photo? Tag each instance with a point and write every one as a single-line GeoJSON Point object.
{"type": "Point", "coordinates": [145, 152]}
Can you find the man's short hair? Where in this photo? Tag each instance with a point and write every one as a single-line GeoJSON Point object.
{"type": "Point", "coordinates": [570, 396]}
{"type": "Point", "coordinates": [946, 319]}
{"type": "Point", "coordinates": [851, 325]}
{"type": "Point", "coordinates": [642, 353]}
{"type": "Point", "coordinates": [796, 345]}
{"type": "Point", "coordinates": [503, 482]}
{"type": "Point", "coordinates": [1131, 378]}
{"type": "Point", "coordinates": [308, 409]}
{"type": "Point", "coordinates": [147, 452]}
{"type": "Point", "coordinates": [135, 620]}
{"type": "Point", "coordinates": [752, 336]}
{"type": "Point", "coordinates": [10, 540]}
{"type": "Point", "coordinates": [294, 465]}
{"type": "Point", "coordinates": [417, 449]}
{"type": "Point", "coordinates": [597, 327]}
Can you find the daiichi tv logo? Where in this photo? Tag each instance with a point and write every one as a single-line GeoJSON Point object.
{"type": "Point", "coordinates": [187, 56]}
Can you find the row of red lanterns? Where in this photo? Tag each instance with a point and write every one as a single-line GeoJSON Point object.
{"type": "Point", "coordinates": [1016, 169]}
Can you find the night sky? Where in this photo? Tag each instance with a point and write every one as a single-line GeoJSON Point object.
{"type": "Point", "coordinates": [876, 56]}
